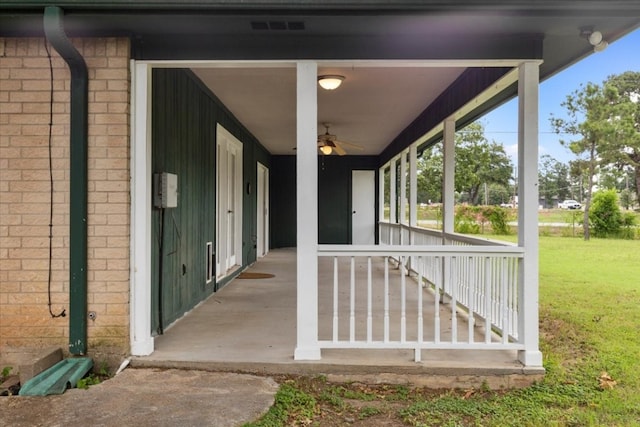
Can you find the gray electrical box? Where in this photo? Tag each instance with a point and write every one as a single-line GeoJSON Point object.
{"type": "Point", "coordinates": [165, 193]}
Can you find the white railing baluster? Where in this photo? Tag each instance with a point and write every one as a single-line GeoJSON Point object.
{"type": "Point", "coordinates": [369, 302]}
{"type": "Point", "coordinates": [436, 310]}
{"type": "Point", "coordinates": [470, 297]}
{"type": "Point", "coordinates": [386, 299]}
{"type": "Point", "coordinates": [454, 300]}
{"type": "Point", "coordinates": [352, 302]}
{"type": "Point", "coordinates": [505, 302]}
{"type": "Point", "coordinates": [513, 277]}
{"type": "Point", "coordinates": [495, 292]}
{"type": "Point", "coordinates": [403, 301]}
{"type": "Point", "coordinates": [487, 300]}
{"type": "Point", "coordinates": [335, 299]}
{"type": "Point", "coordinates": [420, 315]}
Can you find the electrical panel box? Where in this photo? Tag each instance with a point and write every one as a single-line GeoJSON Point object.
{"type": "Point", "coordinates": [165, 193]}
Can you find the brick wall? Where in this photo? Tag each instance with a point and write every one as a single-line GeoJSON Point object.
{"type": "Point", "coordinates": [25, 194]}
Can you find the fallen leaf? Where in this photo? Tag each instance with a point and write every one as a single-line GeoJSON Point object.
{"type": "Point", "coordinates": [606, 382]}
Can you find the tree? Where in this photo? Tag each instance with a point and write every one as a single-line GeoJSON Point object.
{"type": "Point", "coordinates": [553, 179]}
{"type": "Point", "coordinates": [589, 118]}
{"type": "Point", "coordinates": [625, 148]}
{"type": "Point", "coordinates": [496, 194]}
{"type": "Point", "coordinates": [430, 175]}
{"type": "Point", "coordinates": [479, 162]}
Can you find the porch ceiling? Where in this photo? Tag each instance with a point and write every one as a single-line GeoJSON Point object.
{"type": "Point", "coordinates": [374, 106]}
{"type": "Point", "coordinates": [370, 109]}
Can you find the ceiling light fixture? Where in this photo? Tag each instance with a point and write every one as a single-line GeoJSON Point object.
{"type": "Point", "coordinates": [595, 39]}
{"type": "Point", "coordinates": [326, 149]}
{"type": "Point", "coordinates": [330, 82]}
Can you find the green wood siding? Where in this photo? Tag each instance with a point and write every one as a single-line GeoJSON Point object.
{"type": "Point", "coordinates": [282, 189]}
{"type": "Point", "coordinates": [334, 198]}
{"type": "Point", "coordinates": [184, 118]}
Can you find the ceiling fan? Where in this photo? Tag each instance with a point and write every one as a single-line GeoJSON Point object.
{"type": "Point", "coordinates": [327, 143]}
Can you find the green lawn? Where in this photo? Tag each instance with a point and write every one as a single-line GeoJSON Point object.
{"type": "Point", "coordinates": [590, 338]}
{"type": "Point", "coordinates": [590, 323]}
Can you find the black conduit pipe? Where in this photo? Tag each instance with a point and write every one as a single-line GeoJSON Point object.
{"type": "Point", "coordinates": [55, 34]}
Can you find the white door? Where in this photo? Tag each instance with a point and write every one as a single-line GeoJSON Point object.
{"type": "Point", "coordinates": [363, 222]}
{"type": "Point", "coordinates": [228, 203]}
{"type": "Point", "coordinates": [262, 214]}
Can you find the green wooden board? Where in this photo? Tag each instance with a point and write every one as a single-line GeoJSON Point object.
{"type": "Point", "coordinates": [55, 380]}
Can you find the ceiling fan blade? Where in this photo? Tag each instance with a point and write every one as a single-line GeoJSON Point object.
{"type": "Point", "coordinates": [350, 145]}
{"type": "Point", "coordinates": [339, 150]}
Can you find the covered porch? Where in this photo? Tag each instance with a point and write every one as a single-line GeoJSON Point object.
{"type": "Point", "coordinates": [377, 323]}
{"type": "Point", "coordinates": [416, 300]}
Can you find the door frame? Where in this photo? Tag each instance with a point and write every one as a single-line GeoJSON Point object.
{"type": "Point", "coordinates": [262, 210]}
{"type": "Point", "coordinates": [228, 202]}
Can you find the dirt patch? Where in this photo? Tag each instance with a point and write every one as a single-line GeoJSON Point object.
{"type": "Point", "coordinates": [565, 338]}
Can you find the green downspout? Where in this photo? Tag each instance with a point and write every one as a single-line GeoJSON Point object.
{"type": "Point", "coordinates": [54, 32]}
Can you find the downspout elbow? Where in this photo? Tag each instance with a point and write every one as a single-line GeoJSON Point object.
{"type": "Point", "coordinates": [78, 159]}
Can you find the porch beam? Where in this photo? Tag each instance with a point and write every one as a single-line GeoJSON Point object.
{"type": "Point", "coordinates": [307, 212]}
{"type": "Point", "coordinates": [448, 181]}
{"type": "Point", "coordinates": [528, 82]}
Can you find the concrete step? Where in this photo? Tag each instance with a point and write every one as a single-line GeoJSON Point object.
{"type": "Point", "coordinates": [29, 362]}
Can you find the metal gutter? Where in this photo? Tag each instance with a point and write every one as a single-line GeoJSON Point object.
{"type": "Point", "coordinates": [55, 34]}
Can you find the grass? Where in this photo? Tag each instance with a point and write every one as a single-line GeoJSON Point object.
{"type": "Point", "coordinates": [589, 335]}
{"type": "Point", "coordinates": [5, 372]}
{"type": "Point", "coordinates": [99, 374]}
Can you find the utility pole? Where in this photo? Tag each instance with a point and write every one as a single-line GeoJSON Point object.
{"type": "Point", "coordinates": [486, 194]}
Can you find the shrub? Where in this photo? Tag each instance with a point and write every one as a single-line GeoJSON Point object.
{"type": "Point", "coordinates": [604, 215]}
{"type": "Point", "coordinates": [628, 226]}
{"type": "Point", "coordinates": [472, 219]}
{"type": "Point", "coordinates": [464, 220]}
{"type": "Point", "coordinates": [499, 218]}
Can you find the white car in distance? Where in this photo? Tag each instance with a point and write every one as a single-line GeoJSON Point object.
{"type": "Point", "coordinates": [569, 204]}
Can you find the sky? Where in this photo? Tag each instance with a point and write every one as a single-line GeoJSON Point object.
{"type": "Point", "coordinates": [501, 124]}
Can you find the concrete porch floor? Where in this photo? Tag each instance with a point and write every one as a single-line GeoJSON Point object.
{"type": "Point", "coordinates": [250, 326]}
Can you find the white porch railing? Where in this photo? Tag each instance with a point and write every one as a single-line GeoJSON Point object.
{"type": "Point", "coordinates": [434, 291]}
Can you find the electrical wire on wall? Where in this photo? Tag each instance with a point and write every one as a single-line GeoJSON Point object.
{"type": "Point", "coordinates": [160, 275]}
{"type": "Point", "coordinates": [63, 312]}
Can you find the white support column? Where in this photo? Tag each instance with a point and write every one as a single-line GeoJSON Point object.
{"type": "Point", "coordinates": [448, 173]}
{"type": "Point", "coordinates": [393, 199]}
{"type": "Point", "coordinates": [403, 188]}
{"type": "Point", "coordinates": [403, 195]}
{"type": "Point", "coordinates": [140, 291]}
{"type": "Point", "coordinates": [413, 185]}
{"type": "Point", "coordinates": [380, 201]}
{"type": "Point", "coordinates": [528, 82]}
{"type": "Point", "coordinates": [307, 212]}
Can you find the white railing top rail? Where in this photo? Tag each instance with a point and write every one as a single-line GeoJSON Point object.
{"type": "Point", "coordinates": [463, 238]}
{"type": "Point", "coordinates": [436, 250]}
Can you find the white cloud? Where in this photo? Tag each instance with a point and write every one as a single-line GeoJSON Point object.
{"type": "Point", "coordinates": [511, 150]}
